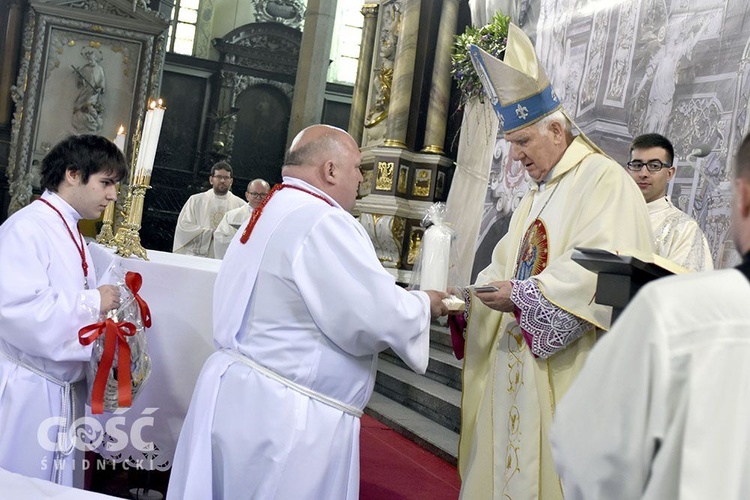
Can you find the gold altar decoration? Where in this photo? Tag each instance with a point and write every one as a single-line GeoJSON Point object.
{"type": "Point", "coordinates": [384, 180]}
{"type": "Point", "coordinates": [127, 241]}
{"type": "Point", "coordinates": [422, 181]}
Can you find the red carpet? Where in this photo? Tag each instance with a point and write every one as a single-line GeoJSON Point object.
{"type": "Point", "coordinates": [394, 468]}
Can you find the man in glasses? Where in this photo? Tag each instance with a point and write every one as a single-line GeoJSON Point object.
{"type": "Point", "coordinates": [257, 190]}
{"type": "Point", "coordinates": [199, 218]}
{"type": "Point", "coordinates": [677, 236]}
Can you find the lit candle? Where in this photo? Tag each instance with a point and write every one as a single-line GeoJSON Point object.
{"type": "Point", "coordinates": [436, 248]}
{"type": "Point", "coordinates": [120, 139]}
{"type": "Point", "coordinates": [149, 140]}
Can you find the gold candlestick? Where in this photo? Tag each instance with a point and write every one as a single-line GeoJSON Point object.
{"type": "Point", "coordinates": [106, 235]}
{"type": "Point", "coordinates": [127, 240]}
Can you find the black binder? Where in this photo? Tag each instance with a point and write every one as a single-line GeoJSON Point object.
{"type": "Point", "coordinates": [619, 276]}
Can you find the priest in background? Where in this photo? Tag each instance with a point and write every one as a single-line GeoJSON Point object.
{"type": "Point", "coordinates": [677, 236]}
{"type": "Point", "coordinates": [660, 409]}
{"type": "Point", "coordinates": [199, 218]}
{"type": "Point", "coordinates": [526, 341]}
{"type": "Point", "coordinates": [256, 192]}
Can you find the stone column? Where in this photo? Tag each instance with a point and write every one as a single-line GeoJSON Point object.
{"type": "Point", "coordinates": [366, 47]}
{"type": "Point", "coordinates": [312, 69]}
{"type": "Point", "coordinates": [437, 109]}
{"type": "Point", "coordinates": [403, 75]}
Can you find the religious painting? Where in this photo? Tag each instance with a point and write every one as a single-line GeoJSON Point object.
{"type": "Point", "coordinates": [440, 185]}
{"type": "Point", "coordinates": [422, 181]}
{"type": "Point", "coordinates": [384, 180]}
{"type": "Point", "coordinates": [403, 176]}
{"type": "Point", "coordinates": [415, 241]}
{"type": "Point", "coordinates": [533, 253]}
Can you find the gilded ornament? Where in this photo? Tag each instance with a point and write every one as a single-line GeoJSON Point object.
{"type": "Point", "coordinates": [385, 176]}
{"type": "Point", "coordinates": [422, 181]}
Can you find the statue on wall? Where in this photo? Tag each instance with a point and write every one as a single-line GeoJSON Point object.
{"type": "Point", "coordinates": [389, 33]}
{"type": "Point", "coordinates": [88, 109]}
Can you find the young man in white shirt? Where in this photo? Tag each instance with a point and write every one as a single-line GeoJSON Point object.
{"type": "Point", "coordinates": [677, 236]}
{"type": "Point", "coordinates": [47, 293]}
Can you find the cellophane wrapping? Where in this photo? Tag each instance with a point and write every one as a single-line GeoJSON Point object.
{"type": "Point", "coordinates": [140, 361]}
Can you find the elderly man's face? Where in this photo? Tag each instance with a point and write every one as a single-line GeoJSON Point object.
{"type": "Point", "coordinates": [256, 193]}
{"type": "Point", "coordinates": [537, 149]}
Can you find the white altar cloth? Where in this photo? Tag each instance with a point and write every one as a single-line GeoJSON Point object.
{"type": "Point", "coordinates": [179, 292]}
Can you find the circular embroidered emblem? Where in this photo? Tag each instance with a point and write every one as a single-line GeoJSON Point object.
{"type": "Point", "coordinates": [532, 258]}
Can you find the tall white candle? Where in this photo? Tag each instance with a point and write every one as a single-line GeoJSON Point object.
{"type": "Point", "coordinates": [120, 139]}
{"type": "Point", "coordinates": [436, 249]}
{"type": "Point", "coordinates": [149, 139]}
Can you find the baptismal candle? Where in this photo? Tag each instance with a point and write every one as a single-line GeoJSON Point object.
{"type": "Point", "coordinates": [436, 248]}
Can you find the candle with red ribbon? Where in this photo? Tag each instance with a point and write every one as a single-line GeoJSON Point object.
{"type": "Point", "coordinates": [115, 343]}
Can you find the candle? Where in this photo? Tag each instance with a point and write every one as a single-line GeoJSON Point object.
{"type": "Point", "coordinates": [120, 139]}
{"type": "Point", "coordinates": [149, 140]}
{"type": "Point", "coordinates": [436, 247]}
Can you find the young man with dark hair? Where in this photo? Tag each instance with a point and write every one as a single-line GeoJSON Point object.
{"type": "Point", "coordinates": [677, 236]}
{"type": "Point", "coordinates": [47, 293]}
{"type": "Point", "coordinates": [201, 214]}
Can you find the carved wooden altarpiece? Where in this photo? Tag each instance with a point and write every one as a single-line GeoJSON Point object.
{"type": "Point", "coordinates": [88, 66]}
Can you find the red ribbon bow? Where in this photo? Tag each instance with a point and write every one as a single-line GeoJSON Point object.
{"type": "Point", "coordinates": [134, 281]}
{"type": "Point", "coordinates": [115, 341]}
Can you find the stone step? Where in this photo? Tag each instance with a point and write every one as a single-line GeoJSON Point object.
{"type": "Point", "coordinates": [443, 367]}
{"type": "Point", "coordinates": [434, 400]}
{"type": "Point", "coordinates": [440, 337]}
{"type": "Point", "coordinates": [428, 434]}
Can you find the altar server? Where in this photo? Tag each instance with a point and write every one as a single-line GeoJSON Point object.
{"type": "Point", "coordinates": [660, 410]}
{"type": "Point", "coordinates": [47, 293]}
{"type": "Point", "coordinates": [302, 307]}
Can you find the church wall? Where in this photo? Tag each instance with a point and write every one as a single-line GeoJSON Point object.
{"type": "Point", "coordinates": [676, 67]}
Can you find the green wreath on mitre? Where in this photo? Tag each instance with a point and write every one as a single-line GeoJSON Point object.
{"type": "Point", "coordinates": [493, 38]}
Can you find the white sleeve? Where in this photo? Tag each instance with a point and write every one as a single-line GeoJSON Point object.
{"type": "Point", "coordinates": [222, 237]}
{"type": "Point", "coordinates": [607, 426]}
{"type": "Point", "coordinates": [41, 309]}
{"type": "Point", "coordinates": [353, 300]}
{"type": "Point", "coordinates": [189, 236]}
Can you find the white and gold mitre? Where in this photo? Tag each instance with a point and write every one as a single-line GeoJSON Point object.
{"type": "Point", "coordinates": [517, 86]}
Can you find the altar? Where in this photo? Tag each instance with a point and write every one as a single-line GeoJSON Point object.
{"type": "Point", "coordinates": [179, 292]}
